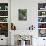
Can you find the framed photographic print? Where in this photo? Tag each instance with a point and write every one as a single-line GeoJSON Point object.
{"type": "Point", "coordinates": [22, 14]}
{"type": "Point", "coordinates": [42, 32]}
{"type": "Point", "coordinates": [4, 29]}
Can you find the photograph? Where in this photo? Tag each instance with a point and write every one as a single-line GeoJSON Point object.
{"type": "Point", "coordinates": [4, 29]}
{"type": "Point", "coordinates": [42, 32]}
{"type": "Point", "coordinates": [22, 14]}
{"type": "Point", "coordinates": [41, 19]}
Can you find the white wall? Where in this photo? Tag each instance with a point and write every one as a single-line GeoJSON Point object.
{"type": "Point", "coordinates": [32, 14]}
{"type": "Point", "coordinates": [31, 7]}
